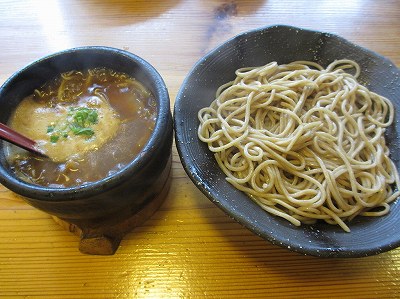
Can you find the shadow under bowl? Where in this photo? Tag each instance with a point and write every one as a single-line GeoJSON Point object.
{"type": "Point", "coordinates": [284, 44]}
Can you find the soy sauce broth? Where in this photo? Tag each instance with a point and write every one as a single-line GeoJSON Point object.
{"type": "Point", "coordinates": [94, 157]}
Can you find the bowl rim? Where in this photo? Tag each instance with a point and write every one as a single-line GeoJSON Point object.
{"type": "Point", "coordinates": [37, 192]}
{"type": "Point", "coordinates": [235, 214]}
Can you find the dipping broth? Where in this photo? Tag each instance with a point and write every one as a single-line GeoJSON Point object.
{"type": "Point", "coordinates": [90, 123]}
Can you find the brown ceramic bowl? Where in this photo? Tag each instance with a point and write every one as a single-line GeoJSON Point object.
{"type": "Point", "coordinates": [115, 197]}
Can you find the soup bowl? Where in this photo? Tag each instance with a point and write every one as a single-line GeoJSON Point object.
{"type": "Point", "coordinates": [137, 189]}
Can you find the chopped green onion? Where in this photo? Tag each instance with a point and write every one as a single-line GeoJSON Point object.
{"type": "Point", "coordinates": [50, 129]}
{"type": "Point", "coordinates": [78, 121]}
{"type": "Point", "coordinates": [54, 138]}
{"type": "Point", "coordinates": [78, 130]}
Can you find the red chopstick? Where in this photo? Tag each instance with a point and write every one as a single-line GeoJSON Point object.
{"type": "Point", "coordinates": [8, 134]}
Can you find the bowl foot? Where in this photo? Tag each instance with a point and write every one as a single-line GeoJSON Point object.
{"type": "Point", "coordinates": [103, 238]}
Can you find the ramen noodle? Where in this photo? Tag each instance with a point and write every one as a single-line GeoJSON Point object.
{"type": "Point", "coordinates": [306, 143]}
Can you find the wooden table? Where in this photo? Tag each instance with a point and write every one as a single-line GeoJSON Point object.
{"type": "Point", "coordinates": [189, 248]}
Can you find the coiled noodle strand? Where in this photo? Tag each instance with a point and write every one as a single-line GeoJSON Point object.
{"type": "Point", "coordinates": [304, 142]}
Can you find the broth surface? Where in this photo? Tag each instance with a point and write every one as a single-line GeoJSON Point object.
{"type": "Point", "coordinates": [90, 123]}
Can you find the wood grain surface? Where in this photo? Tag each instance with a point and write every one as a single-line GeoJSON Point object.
{"type": "Point", "coordinates": [189, 248]}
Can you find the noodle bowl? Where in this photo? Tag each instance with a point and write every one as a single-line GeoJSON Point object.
{"type": "Point", "coordinates": [304, 142]}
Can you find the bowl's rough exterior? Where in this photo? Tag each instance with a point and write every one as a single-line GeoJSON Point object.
{"type": "Point", "coordinates": [122, 193]}
{"type": "Point", "coordinates": [284, 44]}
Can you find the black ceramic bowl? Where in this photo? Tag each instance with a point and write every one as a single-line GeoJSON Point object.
{"type": "Point", "coordinates": [284, 44]}
{"type": "Point", "coordinates": [123, 193]}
